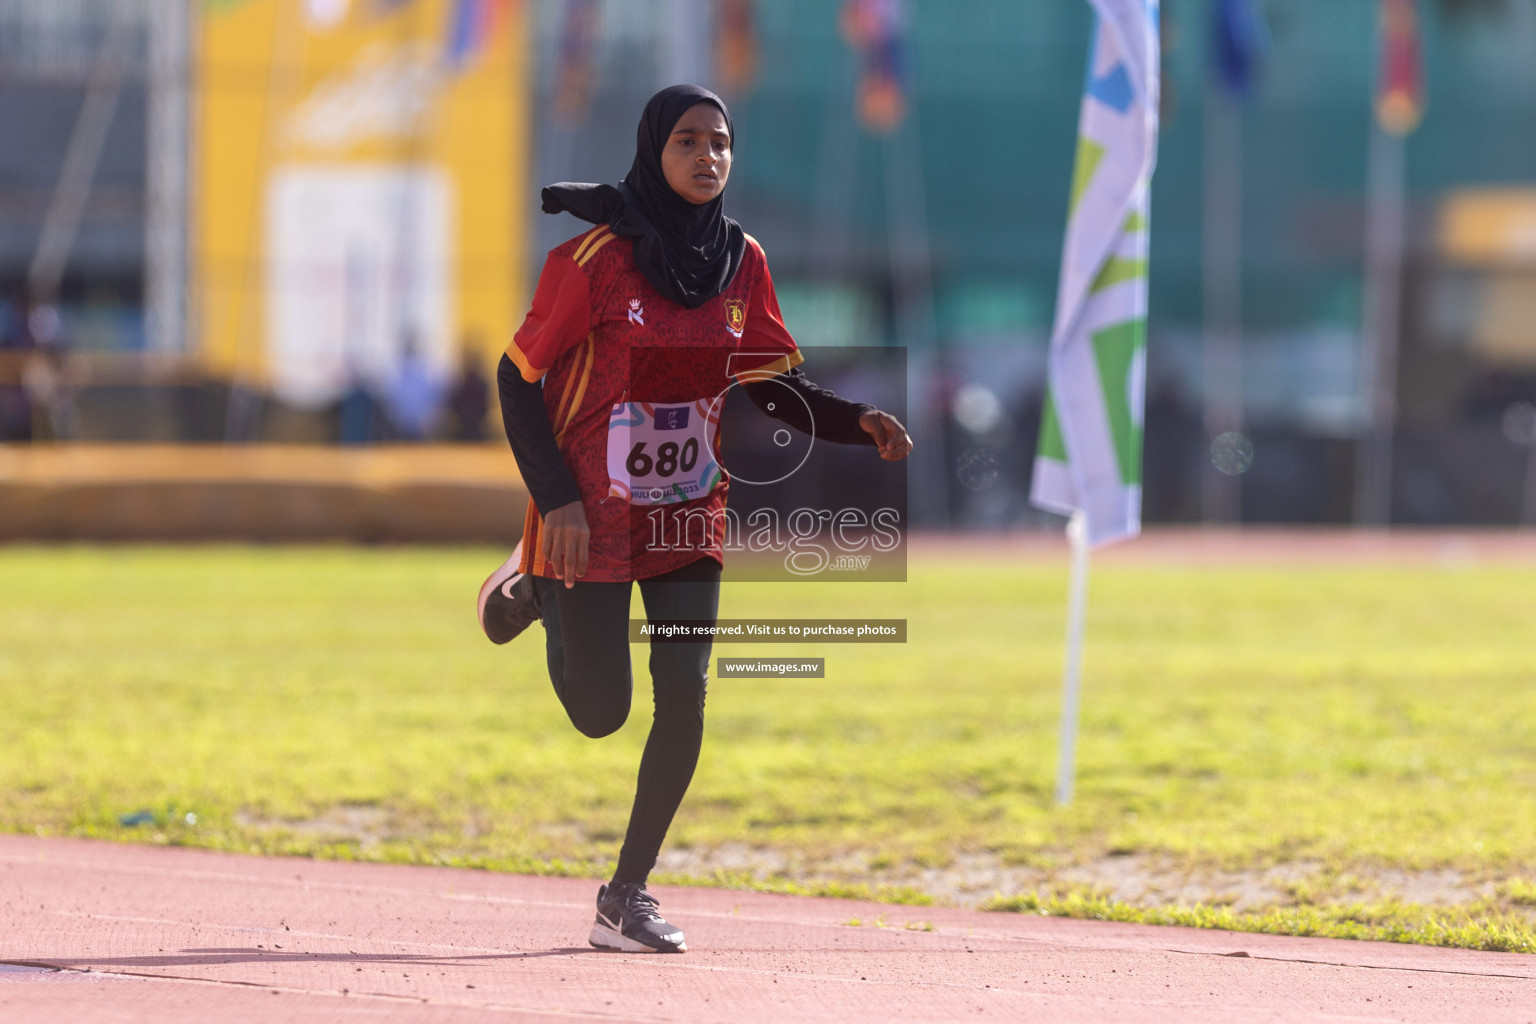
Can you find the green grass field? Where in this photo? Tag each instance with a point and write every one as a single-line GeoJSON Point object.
{"type": "Point", "coordinates": [1339, 751]}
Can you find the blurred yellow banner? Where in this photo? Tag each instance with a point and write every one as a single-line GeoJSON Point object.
{"type": "Point", "coordinates": [1489, 226]}
{"type": "Point", "coordinates": [359, 187]}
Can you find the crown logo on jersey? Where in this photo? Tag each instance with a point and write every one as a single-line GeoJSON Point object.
{"type": "Point", "coordinates": [636, 312]}
{"type": "Point", "coordinates": [735, 316]}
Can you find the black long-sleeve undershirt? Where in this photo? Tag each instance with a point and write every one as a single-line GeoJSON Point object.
{"type": "Point", "coordinates": [545, 473]}
{"type": "Point", "coordinates": [823, 413]}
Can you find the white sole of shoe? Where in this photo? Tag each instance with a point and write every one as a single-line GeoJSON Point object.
{"type": "Point", "coordinates": [506, 571]}
{"type": "Point", "coordinates": [604, 937]}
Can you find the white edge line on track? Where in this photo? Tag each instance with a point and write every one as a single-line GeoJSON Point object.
{"type": "Point", "coordinates": [515, 901]}
{"type": "Point", "coordinates": [670, 963]}
{"type": "Point", "coordinates": [1037, 996]}
{"type": "Point", "coordinates": [296, 883]}
{"type": "Point", "coordinates": [351, 994]}
{"type": "Point", "coordinates": [1034, 995]}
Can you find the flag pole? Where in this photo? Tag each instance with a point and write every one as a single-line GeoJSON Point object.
{"type": "Point", "coordinates": [1385, 217]}
{"type": "Point", "coordinates": [1399, 105]}
{"type": "Point", "coordinates": [1077, 613]}
{"type": "Point", "coordinates": [1221, 296]}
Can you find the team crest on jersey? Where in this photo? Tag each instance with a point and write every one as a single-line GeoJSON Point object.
{"type": "Point", "coordinates": [636, 312]}
{"type": "Point", "coordinates": [735, 316]}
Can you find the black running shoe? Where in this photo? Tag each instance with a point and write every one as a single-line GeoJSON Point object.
{"type": "Point", "coordinates": [509, 603]}
{"type": "Point", "coordinates": [627, 920]}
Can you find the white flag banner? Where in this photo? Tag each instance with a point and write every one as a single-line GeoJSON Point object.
{"type": "Point", "coordinates": [1089, 456]}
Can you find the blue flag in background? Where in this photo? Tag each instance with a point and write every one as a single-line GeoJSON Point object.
{"type": "Point", "coordinates": [574, 79]}
{"type": "Point", "coordinates": [876, 30]}
{"type": "Point", "coordinates": [1238, 42]}
{"type": "Point", "coordinates": [473, 25]}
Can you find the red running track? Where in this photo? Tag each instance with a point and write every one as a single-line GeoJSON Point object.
{"type": "Point", "coordinates": [105, 932]}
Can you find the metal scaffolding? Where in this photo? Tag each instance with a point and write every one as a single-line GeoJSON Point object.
{"type": "Point", "coordinates": [106, 50]}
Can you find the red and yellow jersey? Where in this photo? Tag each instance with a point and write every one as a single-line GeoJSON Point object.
{"type": "Point", "coordinates": [631, 382]}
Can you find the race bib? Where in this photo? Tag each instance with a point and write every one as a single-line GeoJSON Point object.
{"type": "Point", "coordinates": [662, 454]}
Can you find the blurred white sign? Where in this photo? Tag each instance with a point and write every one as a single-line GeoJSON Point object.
{"type": "Point", "coordinates": [358, 267]}
{"type": "Point", "coordinates": [384, 94]}
{"type": "Point", "coordinates": [326, 13]}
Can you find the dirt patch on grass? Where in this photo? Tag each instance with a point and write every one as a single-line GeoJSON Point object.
{"type": "Point", "coordinates": [1146, 880]}
{"type": "Point", "coordinates": [970, 880]}
{"type": "Point", "coordinates": [365, 825]}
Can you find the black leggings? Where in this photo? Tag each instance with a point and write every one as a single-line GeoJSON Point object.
{"type": "Point", "coordinates": [587, 638]}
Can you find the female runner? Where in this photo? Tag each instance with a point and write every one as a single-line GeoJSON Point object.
{"type": "Point", "coordinates": [635, 325]}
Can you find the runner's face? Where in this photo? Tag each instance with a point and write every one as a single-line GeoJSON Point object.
{"type": "Point", "coordinates": [697, 157]}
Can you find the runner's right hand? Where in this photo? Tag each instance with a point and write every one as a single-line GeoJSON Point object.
{"type": "Point", "coordinates": [564, 542]}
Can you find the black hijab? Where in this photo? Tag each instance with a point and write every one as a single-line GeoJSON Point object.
{"type": "Point", "coordinates": [689, 253]}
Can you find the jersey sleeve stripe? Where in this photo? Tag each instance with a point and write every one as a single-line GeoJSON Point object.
{"type": "Point", "coordinates": [768, 371]}
{"type": "Point", "coordinates": [592, 236]}
{"type": "Point", "coordinates": [533, 553]}
{"type": "Point", "coordinates": [581, 390]}
{"type": "Point", "coordinates": [581, 261]}
{"type": "Point", "coordinates": [531, 373]}
{"type": "Point", "coordinates": [565, 397]}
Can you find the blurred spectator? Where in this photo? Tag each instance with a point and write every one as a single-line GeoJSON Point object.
{"type": "Point", "coordinates": [359, 411]}
{"type": "Point", "coordinates": [46, 380]}
{"type": "Point", "coordinates": [47, 396]}
{"type": "Point", "coordinates": [943, 385]}
{"type": "Point", "coordinates": [1490, 392]}
{"type": "Point", "coordinates": [469, 401]}
{"type": "Point", "coordinates": [1174, 454]}
{"type": "Point", "coordinates": [415, 396]}
{"type": "Point", "coordinates": [10, 325]}
{"type": "Point", "coordinates": [15, 409]}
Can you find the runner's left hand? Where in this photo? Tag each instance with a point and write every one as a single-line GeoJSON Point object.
{"type": "Point", "coordinates": [564, 542]}
{"type": "Point", "coordinates": [889, 434]}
